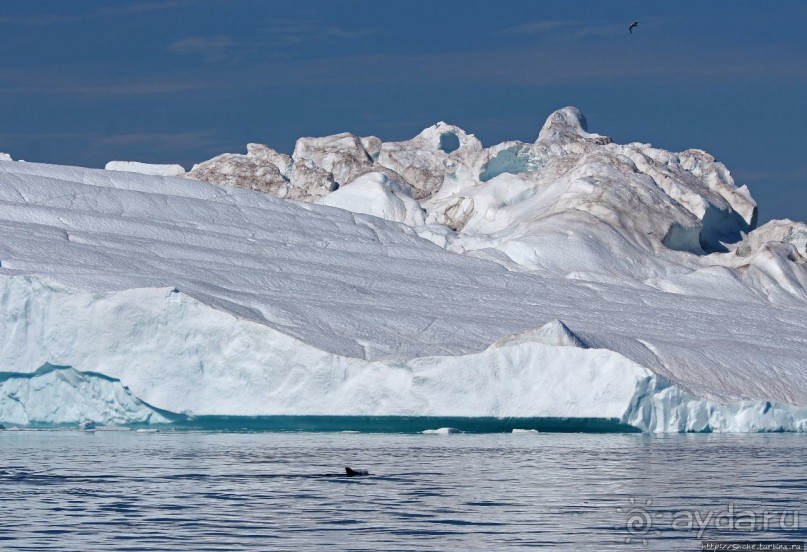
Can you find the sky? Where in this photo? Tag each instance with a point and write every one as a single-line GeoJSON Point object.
{"type": "Point", "coordinates": [179, 81]}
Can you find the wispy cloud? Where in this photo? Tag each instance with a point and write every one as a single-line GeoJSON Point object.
{"type": "Point", "coordinates": [540, 27]}
{"type": "Point", "coordinates": [43, 19]}
{"type": "Point", "coordinates": [8, 137]}
{"type": "Point", "coordinates": [287, 32]}
{"type": "Point", "coordinates": [576, 29]}
{"type": "Point", "coordinates": [104, 147]}
{"type": "Point", "coordinates": [535, 65]}
{"type": "Point", "coordinates": [771, 176]}
{"type": "Point", "coordinates": [156, 140]}
{"type": "Point", "coordinates": [212, 48]}
{"type": "Point", "coordinates": [82, 81]}
{"type": "Point", "coordinates": [143, 7]}
{"type": "Point", "coordinates": [138, 87]}
{"type": "Point", "coordinates": [277, 33]}
{"type": "Point", "coordinates": [603, 30]}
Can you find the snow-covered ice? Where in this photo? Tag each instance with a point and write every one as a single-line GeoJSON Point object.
{"type": "Point", "coordinates": [374, 193]}
{"type": "Point", "coordinates": [145, 168]}
{"type": "Point", "coordinates": [571, 277]}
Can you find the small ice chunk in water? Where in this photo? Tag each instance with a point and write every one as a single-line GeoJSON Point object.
{"type": "Point", "coordinates": [442, 431]}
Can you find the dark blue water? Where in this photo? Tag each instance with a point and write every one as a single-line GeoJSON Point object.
{"type": "Point", "coordinates": [400, 424]}
{"type": "Point", "coordinates": [66, 490]}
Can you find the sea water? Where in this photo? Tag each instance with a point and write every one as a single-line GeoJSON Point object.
{"type": "Point", "coordinates": [196, 490]}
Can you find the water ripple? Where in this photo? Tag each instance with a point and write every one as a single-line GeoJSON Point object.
{"type": "Point", "coordinates": [223, 491]}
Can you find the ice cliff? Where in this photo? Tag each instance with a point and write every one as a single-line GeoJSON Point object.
{"type": "Point", "coordinates": [62, 395]}
{"type": "Point", "coordinates": [569, 277]}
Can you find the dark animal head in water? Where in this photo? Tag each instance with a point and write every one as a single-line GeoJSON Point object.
{"type": "Point", "coordinates": [350, 472]}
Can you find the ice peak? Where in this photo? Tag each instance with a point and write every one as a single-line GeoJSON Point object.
{"type": "Point", "coordinates": [554, 333]}
{"type": "Point", "coordinates": [341, 155]}
{"type": "Point", "coordinates": [569, 125]}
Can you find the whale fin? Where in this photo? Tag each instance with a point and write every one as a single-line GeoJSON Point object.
{"type": "Point", "coordinates": [350, 472]}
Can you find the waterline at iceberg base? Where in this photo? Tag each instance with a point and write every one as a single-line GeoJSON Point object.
{"type": "Point", "coordinates": [523, 382]}
{"type": "Point", "coordinates": [571, 284]}
{"type": "Point", "coordinates": [58, 396]}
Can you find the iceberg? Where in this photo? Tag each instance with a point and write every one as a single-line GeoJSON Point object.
{"type": "Point", "coordinates": [442, 431]}
{"type": "Point", "coordinates": [569, 279]}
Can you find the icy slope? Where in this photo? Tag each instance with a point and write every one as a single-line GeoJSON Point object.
{"type": "Point", "coordinates": [145, 168]}
{"type": "Point", "coordinates": [228, 301]}
{"type": "Point", "coordinates": [61, 395]}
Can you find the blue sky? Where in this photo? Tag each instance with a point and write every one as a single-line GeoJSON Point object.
{"type": "Point", "coordinates": [180, 81]}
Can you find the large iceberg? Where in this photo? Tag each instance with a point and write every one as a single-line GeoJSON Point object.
{"type": "Point", "coordinates": [568, 278]}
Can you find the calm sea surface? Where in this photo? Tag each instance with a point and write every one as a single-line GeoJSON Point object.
{"type": "Point", "coordinates": [67, 490]}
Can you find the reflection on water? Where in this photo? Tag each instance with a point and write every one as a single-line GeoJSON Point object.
{"type": "Point", "coordinates": [401, 424]}
{"type": "Point", "coordinates": [66, 490]}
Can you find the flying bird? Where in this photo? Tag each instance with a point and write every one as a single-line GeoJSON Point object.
{"type": "Point", "coordinates": [632, 25]}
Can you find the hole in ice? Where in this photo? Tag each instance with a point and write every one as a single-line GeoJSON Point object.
{"type": "Point", "coordinates": [511, 160]}
{"type": "Point", "coordinates": [449, 142]}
